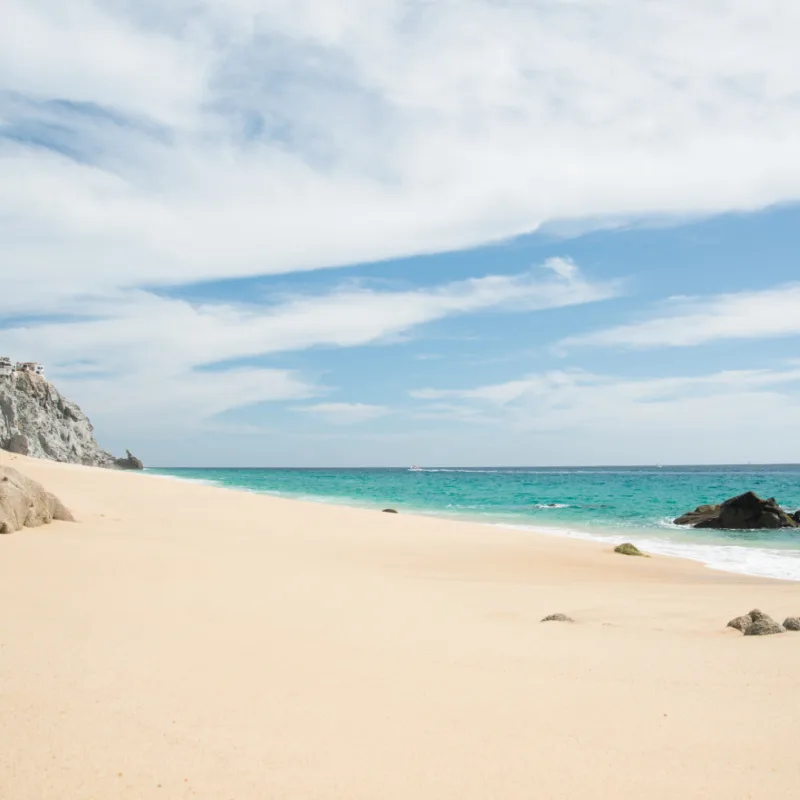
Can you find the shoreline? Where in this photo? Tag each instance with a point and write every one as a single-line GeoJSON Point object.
{"type": "Point", "coordinates": [185, 641]}
{"type": "Point", "coordinates": [718, 555]}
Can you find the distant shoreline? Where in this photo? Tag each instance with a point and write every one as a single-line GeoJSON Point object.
{"type": "Point", "coordinates": [569, 518]}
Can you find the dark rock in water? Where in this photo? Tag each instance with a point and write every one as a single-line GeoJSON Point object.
{"type": "Point", "coordinates": [389, 511]}
{"type": "Point", "coordinates": [792, 624]}
{"type": "Point", "coordinates": [17, 444]}
{"type": "Point", "coordinates": [557, 618]}
{"type": "Point", "coordinates": [765, 626]}
{"type": "Point", "coordinates": [129, 462]}
{"type": "Point", "coordinates": [740, 623]}
{"type": "Point", "coordinates": [700, 514]}
{"type": "Point", "coordinates": [629, 549]}
{"type": "Point", "coordinates": [796, 517]}
{"type": "Point", "coordinates": [745, 512]}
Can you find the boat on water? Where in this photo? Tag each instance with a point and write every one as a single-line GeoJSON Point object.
{"type": "Point", "coordinates": [414, 468]}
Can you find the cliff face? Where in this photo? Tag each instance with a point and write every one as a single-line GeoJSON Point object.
{"type": "Point", "coordinates": [36, 420]}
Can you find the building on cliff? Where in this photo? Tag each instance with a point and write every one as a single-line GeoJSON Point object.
{"type": "Point", "coordinates": [36, 420]}
{"type": "Point", "coordinates": [6, 369]}
{"type": "Point", "coordinates": [30, 366]}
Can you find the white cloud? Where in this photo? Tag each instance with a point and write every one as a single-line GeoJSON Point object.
{"type": "Point", "coordinates": [146, 144]}
{"type": "Point", "coordinates": [119, 347]}
{"type": "Point", "coordinates": [498, 394]}
{"type": "Point", "coordinates": [345, 413]}
{"type": "Point", "coordinates": [262, 136]}
{"type": "Point", "coordinates": [88, 52]}
{"type": "Point", "coordinates": [450, 412]}
{"type": "Point", "coordinates": [689, 321]}
{"type": "Point", "coordinates": [563, 267]}
{"type": "Point", "coordinates": [177, 401]}
{"type": "Point", "coordinates": [140, 328]}
{"type": "Point", "coordinates": [578, 417]}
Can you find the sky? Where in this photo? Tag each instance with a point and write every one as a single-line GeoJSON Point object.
{"type": "Point", "coordinates": [384, 232]}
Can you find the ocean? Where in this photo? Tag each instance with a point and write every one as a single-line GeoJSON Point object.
{"type": "Point", "coordinates": [609, 504]}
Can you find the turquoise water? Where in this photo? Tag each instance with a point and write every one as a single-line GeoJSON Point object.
{"type": "Point", "coordinates": [611, 504]}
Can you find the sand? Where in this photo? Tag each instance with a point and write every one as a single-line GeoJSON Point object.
{"type": "Point", "coordinates": [183, 641]}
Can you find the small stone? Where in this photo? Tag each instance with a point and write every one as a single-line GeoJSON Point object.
{"type": "Point", "coordinates": [757, 614]}
{"type": "Point", "coordinates": [557, 618]}
{"type": "Point", "coordinates": [764, 627]}
{"type": "Point", "coordinates": [740, 623]}
{"type": "Point", "coordinates": [792, 623]}
{"type": "Point", "coordinates": [629, 549]}
{"type": "Point", "coordinates": [389, 511]}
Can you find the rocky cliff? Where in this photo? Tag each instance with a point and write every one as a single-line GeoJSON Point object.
{"type": "Point", "coordinates": [36, 420]}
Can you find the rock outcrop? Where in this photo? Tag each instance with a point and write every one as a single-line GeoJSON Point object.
{"type": "Point", "coordinates": [129, 462]}
{"type": "Point", "coordinates": [746, 511]}
{"type": "Point", "coordinates": [756, 623]}
{"type": "Point", "coordinates": [26, 503]}
{"type": "Point", "coordinates": [36, 420]}
{"type": "Point", "coordinates": [792, 624]}
{"type": "Point", "coordinates": [18, 444]}
{"type": "Point", "coordinates": [764, 627]}
{"type": "Point", "coordinates": [557, 618]}
{"type": "Point", "coordinates": [740, 623]}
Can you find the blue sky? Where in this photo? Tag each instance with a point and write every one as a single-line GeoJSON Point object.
{"type": "Point", "coordinates": [378, 232]}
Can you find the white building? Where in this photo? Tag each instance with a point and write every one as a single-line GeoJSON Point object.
{"type": "Point", "coordinates": [6, 369]}
{"type": "Point", "coordinates": [30, 366]}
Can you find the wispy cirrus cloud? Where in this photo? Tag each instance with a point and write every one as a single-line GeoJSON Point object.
{"type": "Point", "coordinates": [105, 345]}
{"type": "Point", "coordinates": [577, 416]}
{"type": "Point", "coordinates": [345, 413]}
{"type": "Point", "coordinates": [204, 140]}
{"type": "Point", "coordinates": [690, 321]}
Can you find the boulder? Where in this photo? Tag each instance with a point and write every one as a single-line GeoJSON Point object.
{"type": "Point", "coordinates": [129, 462]}
{"type": "Point", "coordinates": [25, 503]}
{"type": "Point", "coordinates": [17, 444]}
{"type": "Point", "coordinates": [58, 510]}
{"type": "Point", "coordinates": [745, 511]}
{"type": "Point", "coordinates": [557, 618]}
{"type": "Point", "coordinates": [700, 514]}
{"type": "Point", "coordinates": [764, 627]}
{"type": "Point", "coordinates": [792, 623]}
{"type": "Point", "coordinates": [740, 623]}
{"type": "Point", "coordinates": [756, 623]}
{"type": "Point", "coordinates": [389, 511]}
{"type": "Point", "coordinates": [629, 549]}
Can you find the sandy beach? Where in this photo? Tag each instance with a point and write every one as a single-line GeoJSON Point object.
{"type": "Point", "coordinates": [185, 641]}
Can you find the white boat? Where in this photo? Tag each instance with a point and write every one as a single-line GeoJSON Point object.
{"type": "Point", "coordinates": [414, 468]}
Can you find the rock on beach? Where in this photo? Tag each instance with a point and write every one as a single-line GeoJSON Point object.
{"type": "Point", "coordinates": [26, 503]}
